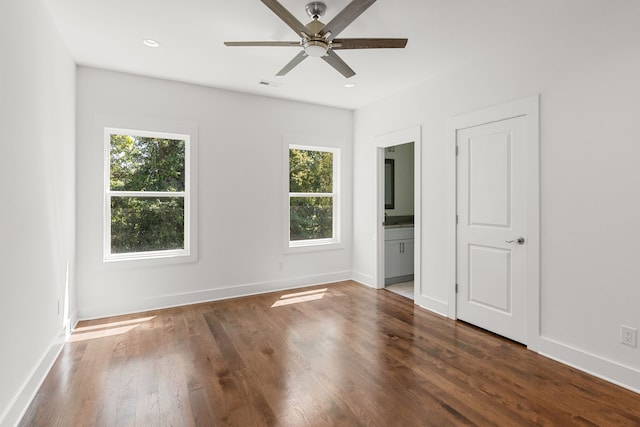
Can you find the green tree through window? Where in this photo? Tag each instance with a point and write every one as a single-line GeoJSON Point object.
{"type": "Point", "coordinates": [146, 193]}
{"type": "Point", "coordinates": [311, 194]}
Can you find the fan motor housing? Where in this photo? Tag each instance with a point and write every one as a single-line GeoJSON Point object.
{"type": "Point", "coordinates": [315, 26]}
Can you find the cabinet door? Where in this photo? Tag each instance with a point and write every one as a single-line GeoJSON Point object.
{"type": "Point", "coordinates": [407, 257]}
{"type": "Point", "coordinates": [393, 260]}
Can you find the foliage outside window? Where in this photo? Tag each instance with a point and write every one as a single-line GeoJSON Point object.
{"type": "Point", "coordinates": [147, 195]}
{"type": "Point", "coordinates": [313, 198]}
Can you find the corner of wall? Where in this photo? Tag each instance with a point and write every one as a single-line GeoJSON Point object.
{"type": "Point", "coordinates": [27, 392]}
{"type": "Point", "coordinates": [364, 279]}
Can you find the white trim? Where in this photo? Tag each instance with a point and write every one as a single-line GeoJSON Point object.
{"type": "Point", "coordinates": [403, 136]}
{"type": "Point", "coordinates": [380, 211]}
{"type": "Point", "coordinates": [335, 242]}
{"type": "Point", "coordinates": [311, 194]}
{"type": "Point", "coordinates": [364, 279]}
{"type": "Point", "coordinates": [239, 290]}
{"type": "Point", "coordinates": [528, 107]}
{"type": "Point", "coordinates": [23, 398]}
{"type": "Point", "coordinates": [189, 252]}
{"type": "Point", "coordinates": [608, 370]}
{"type": "Point", "coordinates": [71, 324]}
{"type": "Point", "coordinates": [434, 305]}
{"type": "Point", "coordinates": [141, 194]}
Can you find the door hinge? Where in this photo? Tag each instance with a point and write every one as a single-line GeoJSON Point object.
{"type": "Point", "coordinates": [456, 219]}
{"type": "Point", "coordinates": [456, 150]}
{"type": "Point", "coordinates": [456, 288]}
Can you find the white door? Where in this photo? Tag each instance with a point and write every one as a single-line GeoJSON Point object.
{"type": "Point", "coordinates": [492, 227]}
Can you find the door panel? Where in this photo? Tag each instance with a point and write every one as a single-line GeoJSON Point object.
{"type": "Point", "coordinates": [491, 272]}
{"type": "Point", "coordinates": [490, 278]}
{"type": "Point", "coordinates": [489, 180]}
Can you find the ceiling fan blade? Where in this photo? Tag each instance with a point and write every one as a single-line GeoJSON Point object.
{"type": "Point", "coordinates": [295, 61]}
{"type": "Point", "coordinates": [287, 17]}
{"type": "Point", "coordinates": [284, 44]}
{"type": "Point", "coordinates": [336, 62]}
{"type": "Point", "coordinates": [368, 43]}
{"type": "Point", "coordinates": [346, 17]}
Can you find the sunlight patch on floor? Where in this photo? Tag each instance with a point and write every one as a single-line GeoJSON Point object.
{"type": "Point", "coordinates": [299, 297]}
{"type": "Point", "coordinates": [102, 330]}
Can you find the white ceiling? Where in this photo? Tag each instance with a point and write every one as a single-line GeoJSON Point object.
{"type": "Point", "coordinates": [442, 34]}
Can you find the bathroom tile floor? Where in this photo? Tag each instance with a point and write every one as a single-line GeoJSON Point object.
{"type": "Point", "coordinates": [405, 289]}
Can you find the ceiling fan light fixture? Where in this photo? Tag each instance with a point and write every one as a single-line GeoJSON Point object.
{"type": "Point", "coordinates": [319, 40]}
{"type": "Point", "coordinates": [316, 48]}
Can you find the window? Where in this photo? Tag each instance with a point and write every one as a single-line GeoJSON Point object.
{"type": "Point", "coordinates": [313, 196]}
{"type": "Point", "coordinates": [147, 195]}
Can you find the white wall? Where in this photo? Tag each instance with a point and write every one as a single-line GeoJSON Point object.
{"type": "Point", "coordinates": [589, 86]}
{"type": "Point", "coordinates": [403, 165]}
{"type": "Point", "coordinates": [241, 190]}
{"type": "Point", "coordinates": [37, 184]}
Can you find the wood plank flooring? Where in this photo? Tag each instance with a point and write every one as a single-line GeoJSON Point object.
{"type": "Point", "coordinates": [335, 355]}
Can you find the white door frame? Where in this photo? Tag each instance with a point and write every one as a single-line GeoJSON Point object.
{"type": "Point", "coordinates": [402, 136]}
{"type": "Point", "coordinates": [529, 108]}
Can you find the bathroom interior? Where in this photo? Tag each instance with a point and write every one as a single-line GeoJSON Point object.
{"type": "Point", "coordinates": [399, 219]}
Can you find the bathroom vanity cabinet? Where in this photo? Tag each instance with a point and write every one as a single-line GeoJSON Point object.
{"type": "Point", "coordinates": [398, 260]}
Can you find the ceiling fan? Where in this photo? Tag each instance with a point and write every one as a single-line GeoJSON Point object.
{"type": "Point", "coordinates": [318, 39]}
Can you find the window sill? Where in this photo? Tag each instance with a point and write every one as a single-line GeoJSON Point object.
{"type": "Point", "coordinates": [313, 246]}
{"type": "Point", "coordinates": [147, 259]}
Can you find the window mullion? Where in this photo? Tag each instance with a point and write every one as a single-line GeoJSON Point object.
{"type": "Point", "coordinates": [311, 194]}
{"type": "Point", "coordinates": [146, 193]}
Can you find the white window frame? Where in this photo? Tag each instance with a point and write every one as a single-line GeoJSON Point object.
{"type": "Point", "coordinates": [315, 244]}
{"type": "Point", "coordinates": [186, 254]}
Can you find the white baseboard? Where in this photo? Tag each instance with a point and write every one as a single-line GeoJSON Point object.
{"type": "Point", "coordinates": [73, 320]}
{"type": "Point", "coordinates": [608, 370]}
{"type": "Point", "coordinates": [364, 279]}
{"type": "Point", "coordinates": [70, 324]}
{"type": "Point", "coordinates": [175, 300]}
{"type": "Point", "coordinates": [19, 405]}
{"type": "Point", "coordinates": [432, 304]}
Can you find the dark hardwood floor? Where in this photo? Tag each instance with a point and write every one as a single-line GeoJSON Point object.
{"type": "Point", "coordinates": [341, 354]}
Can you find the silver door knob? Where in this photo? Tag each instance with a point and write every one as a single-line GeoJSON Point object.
{"type": "Point", "coordinates": [519, 241]}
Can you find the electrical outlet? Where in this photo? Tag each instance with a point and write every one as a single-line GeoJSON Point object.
{"type": "Point", "coordinates": [628, 335]}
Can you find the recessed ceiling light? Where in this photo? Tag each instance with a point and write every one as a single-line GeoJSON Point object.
{"type": "Point", "coordinates": [150, 43]}
{"type": "Point", "coordinates": [349, 85]}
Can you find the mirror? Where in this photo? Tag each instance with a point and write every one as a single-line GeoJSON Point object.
{"type": "Point", "coordinates": [389, 186]}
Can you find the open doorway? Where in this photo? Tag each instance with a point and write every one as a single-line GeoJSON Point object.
{"type": "Point", "coordinates": [399, 239]}
{"type": "Point", "coordinates": [398, 205]}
